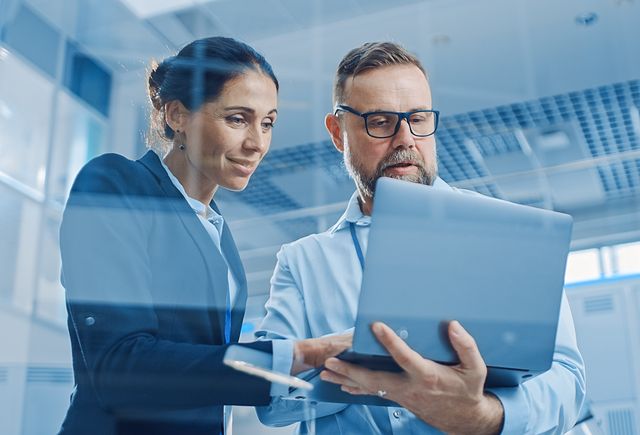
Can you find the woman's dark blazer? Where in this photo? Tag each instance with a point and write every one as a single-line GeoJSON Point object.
{"type": "Point", "coordinates": [146, 294]}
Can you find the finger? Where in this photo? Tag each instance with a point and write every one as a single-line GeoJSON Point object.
{"type": "Point", "coordinates": [354, 390]}
{"type": "Point", "coordinates": [365, 379]}
{"type": "Point", "coordinates": [336, 378]}
{"type": "Point", "coordinates": [408, 359]}
{"type": "Point", "coordinates": [466, 347]}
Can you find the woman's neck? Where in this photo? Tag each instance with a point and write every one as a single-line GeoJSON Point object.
{"type": "Point", "coordinates": [195, 184]}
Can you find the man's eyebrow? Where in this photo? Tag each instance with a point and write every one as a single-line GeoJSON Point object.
{"type": "Point", "coordinates": [393, 111]}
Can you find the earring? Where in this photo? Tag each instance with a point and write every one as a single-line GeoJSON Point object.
{"type": "Point", "coordinates": [181, 146]}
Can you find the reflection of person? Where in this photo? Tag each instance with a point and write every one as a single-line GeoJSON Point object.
{"type": "Point", "coordinates": [316, 283]}
{"type": "Point", "coordinates": [154, 285]}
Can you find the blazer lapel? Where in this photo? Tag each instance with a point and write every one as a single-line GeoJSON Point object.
{"type": "Point", "coordinates": [216, 266]}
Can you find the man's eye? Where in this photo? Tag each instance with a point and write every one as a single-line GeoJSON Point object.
{"type": "Point", "coordinates": [379, 122]}
{"type": "Point", "coordinates": [417, 119]}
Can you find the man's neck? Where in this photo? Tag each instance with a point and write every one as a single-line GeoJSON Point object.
{"type": "Point", "coordinates": [365, 203]}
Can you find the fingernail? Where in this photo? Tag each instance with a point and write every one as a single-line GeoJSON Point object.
{"type": "Point", "coordinates": [377, 328]}
{"type": "Point", "coordinates": [456, 328]}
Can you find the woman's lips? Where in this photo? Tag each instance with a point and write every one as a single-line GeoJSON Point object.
{"type": "Point", "coordinates": [243, 166]}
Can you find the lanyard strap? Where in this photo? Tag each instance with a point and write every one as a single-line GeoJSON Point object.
{"type": "Point", "coordinates": [227, 321]}
{"type": "Point", "coordinates": [356, 244]}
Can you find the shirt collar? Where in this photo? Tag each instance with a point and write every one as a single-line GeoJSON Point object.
{"type": "Point", "coordinates": [353, 214]}
{"type": "Point", "coordinates": [198, 207]}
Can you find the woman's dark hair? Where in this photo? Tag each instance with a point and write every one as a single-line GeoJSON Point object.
{"type": "Point", "coordinates": [196, 75]}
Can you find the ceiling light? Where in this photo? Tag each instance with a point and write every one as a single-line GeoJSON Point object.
{"type": "Point", "coordinates": [150, 8]}
{"type": "Point", "coordinates": [635, 119]}
{"type": "Point", "coordinates": [587, 19]}
{"type": "Point", "coordinates": [553, 140]}
{"type": "Point", "coordinates": [440, 40]}
{"type": "Point", "coordinates": [5, 110]}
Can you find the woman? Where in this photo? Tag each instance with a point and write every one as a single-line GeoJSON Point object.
{"type": "Point", "coordinates": [154, 285]}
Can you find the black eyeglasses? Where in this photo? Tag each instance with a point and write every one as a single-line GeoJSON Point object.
{"type": "Point", "coordinates": [422, 123]}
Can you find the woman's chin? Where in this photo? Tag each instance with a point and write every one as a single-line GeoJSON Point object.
{"type": "Point", "coordinates": [236, 185]}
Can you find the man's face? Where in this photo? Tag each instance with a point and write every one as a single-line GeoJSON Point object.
{"type": "Point", "coordinates": [397, 88]}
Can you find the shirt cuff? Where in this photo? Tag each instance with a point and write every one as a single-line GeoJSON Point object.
{"type": "Point", "coordinates": [282, 360]}
{"type": "Point", "coordinates": [516, 409]}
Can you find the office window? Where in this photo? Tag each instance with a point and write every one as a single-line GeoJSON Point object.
{"type": "Point", "coordinates": [50, 303]}
{"type": "Point", "coordinates": [26, 28]}
{"type": "Point", "coordinates": [79, 136]}
{"type": "Point", "coordinates": [25, 107]}
{"type": "Point", "coordinates": [628, 258]}
{"type": "Point", "coordinates": [88, 79]}
{"type": "Point", "coordinates": [583, 266]}
{"type": "Point", "coordinates": [19, 231]}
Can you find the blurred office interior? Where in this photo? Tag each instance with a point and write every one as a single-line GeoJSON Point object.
{"type": "Point", "coordinates": [540, 105]}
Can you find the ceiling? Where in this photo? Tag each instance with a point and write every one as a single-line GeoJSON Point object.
{"type": "Point", "coordinates": [539, 99]}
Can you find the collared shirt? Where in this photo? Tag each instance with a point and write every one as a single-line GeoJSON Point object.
{"type": "Point", "coordinates": [314, 292]}
{"type": "Point", "coordinates": [213, 223]}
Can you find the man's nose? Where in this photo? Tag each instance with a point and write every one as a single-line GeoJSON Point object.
{"type": "Point", "coordinates": [404, 137]}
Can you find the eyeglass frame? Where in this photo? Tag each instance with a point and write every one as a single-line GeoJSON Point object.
{"type": "Point", "coordinates": [400, 115]}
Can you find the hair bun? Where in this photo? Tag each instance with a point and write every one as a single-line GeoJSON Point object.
{"type": "Point", "coordinates": [156, 80]}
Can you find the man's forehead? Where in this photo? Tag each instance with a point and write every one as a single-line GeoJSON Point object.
{"type": "Point", "coordinates": [389, 85]}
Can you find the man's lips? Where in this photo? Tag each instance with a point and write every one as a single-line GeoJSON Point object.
{"type": "Point", "coordinates": [402, 168]}
{"type": "Point", "coordinates": [404, 164]}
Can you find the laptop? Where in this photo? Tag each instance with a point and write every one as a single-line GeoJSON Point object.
{"type": "Point", "coordinates": [436, 255]}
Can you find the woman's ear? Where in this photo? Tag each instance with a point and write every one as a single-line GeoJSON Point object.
{"type": "Point", "coordinates": [332, 123]}
{"type": "Point", "coordinates": [176, 115]}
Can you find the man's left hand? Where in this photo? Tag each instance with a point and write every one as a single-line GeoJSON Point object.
{"type": "Point", "coordinates": [449, 398]}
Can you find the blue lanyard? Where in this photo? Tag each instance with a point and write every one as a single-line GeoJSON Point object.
{"type": "Point", "coordinates": [356, 244]}
{"type": "Point", "coordinates": [227, 321]}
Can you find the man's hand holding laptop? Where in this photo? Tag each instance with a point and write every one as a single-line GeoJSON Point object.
{"type": "Point", "coordinates": [450, 398]}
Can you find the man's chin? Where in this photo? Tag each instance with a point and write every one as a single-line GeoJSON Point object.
{"type": "Point", "coordinates": [412, 178]}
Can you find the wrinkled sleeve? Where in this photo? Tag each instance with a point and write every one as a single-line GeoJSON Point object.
{"type": "Point", "coordinates": [550, 403]}
{"type": "Point", "coordinates": [286, 319]}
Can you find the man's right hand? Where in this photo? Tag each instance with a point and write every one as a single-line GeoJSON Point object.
{"type": "Point", "coordinates": [313, 352]}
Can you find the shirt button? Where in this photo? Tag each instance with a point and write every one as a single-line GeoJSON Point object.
{"type": "Point", "coordinates": [397, 413]}
{"type": "Point", "coordinates": [89, 320]}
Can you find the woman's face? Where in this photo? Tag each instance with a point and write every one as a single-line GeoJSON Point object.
{"type": "Point", "coordinates": [227, 138]}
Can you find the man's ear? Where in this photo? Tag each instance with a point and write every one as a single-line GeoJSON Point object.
{"type": "Point", "coordinates": [176, 115]}
{"type": "Point", "coordinates": [332, 123]}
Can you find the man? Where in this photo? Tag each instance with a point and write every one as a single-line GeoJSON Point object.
{"type": "Point", "coordinates": [316, 283]}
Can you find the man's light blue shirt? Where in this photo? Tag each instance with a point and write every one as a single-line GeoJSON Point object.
{"type": "Point", "coordinates": [314, 292]}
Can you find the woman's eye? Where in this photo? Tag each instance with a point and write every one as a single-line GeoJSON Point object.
{"type": "Point", "coordinates": [236, 120]}
{"type": "Point", "coordinates": [267, 125]}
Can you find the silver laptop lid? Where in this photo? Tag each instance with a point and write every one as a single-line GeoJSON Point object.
{"type": "Point", "coordinates": [436, 255]}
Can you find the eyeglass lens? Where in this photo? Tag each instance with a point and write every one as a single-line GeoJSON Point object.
{"type": "Point", "coordinates": [385, 124]}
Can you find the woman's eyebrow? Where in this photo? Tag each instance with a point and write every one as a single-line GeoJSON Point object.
{"type": "Point", "coordinates": [248, 109]}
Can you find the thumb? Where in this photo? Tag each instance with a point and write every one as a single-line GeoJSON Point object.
{"type": "Point", "coordinates": [466, 348]}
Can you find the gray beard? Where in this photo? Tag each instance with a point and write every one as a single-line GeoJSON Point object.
{"type": "Point", "coordinates": [367, 183]}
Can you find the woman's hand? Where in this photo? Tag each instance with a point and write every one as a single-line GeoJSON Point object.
{"type": "Point", "coordinates": [313, 352]}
